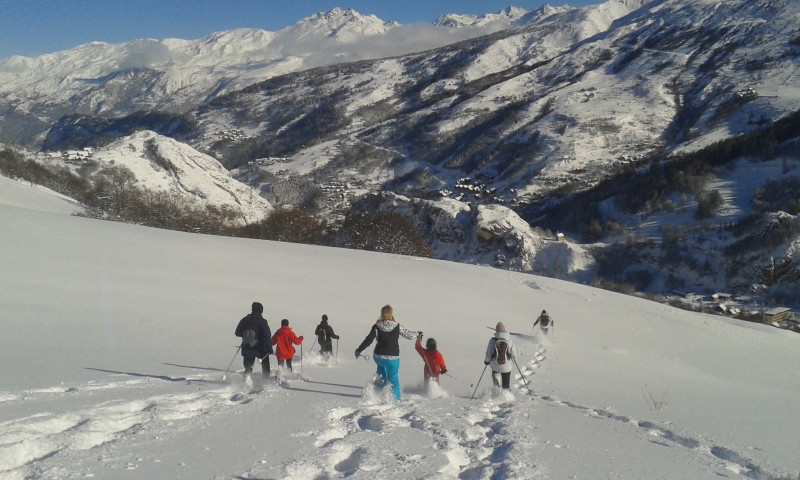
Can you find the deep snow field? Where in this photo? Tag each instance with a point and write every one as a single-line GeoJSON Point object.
{"type": "Point", "coordinates": [116, 338]}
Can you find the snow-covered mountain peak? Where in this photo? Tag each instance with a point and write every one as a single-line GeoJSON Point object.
{"type": "Point", "coordinates": [163, 164]}
{"type": "Point", "coordinates": [339, 24]}
{"type": "Point", "coordinates": [505, 17]}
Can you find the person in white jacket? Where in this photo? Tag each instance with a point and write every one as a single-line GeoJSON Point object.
{"type": "Point", "coordinates": [499, 355]}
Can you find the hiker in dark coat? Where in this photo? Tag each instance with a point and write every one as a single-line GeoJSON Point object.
{"type": "Point", "coordinates": [262, 347]}
{"type": "Point", "coordinates": [387, 351]}
{"type": "Point", "coordinates": [498, 358]}
{"type": "Point", "coordinates": [544, 321]}
{"type": "Point", "coordinates": [324, 333]}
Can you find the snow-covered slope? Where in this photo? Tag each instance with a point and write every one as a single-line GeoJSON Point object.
{"type": "Point", "coordinates": [162, 164]}
{"type": "Point", "coordinates": [116, 339]}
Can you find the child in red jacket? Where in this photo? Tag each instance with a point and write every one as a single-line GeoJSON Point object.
{"type": "Point", "coordinates": [434, 362]}
{"type": "Point", "coordinates": [283, 340]}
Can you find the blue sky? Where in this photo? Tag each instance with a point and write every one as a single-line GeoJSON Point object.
{"type": "Point", "coordinates": [34, 27]}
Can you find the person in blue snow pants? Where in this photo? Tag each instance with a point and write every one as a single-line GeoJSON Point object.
{"type": "Point", "coordinates": [388, 371]}
{"type": "Point", "coordinates": [387, 350]}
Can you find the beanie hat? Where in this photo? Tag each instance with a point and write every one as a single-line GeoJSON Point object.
{"type": "Point", "coordinates": [500, 327]}
{"type": "Point", "coordinates": [257, 308]}
{"type": "Point", "coordinates": [324, 318]}
{"type": "Point", "coordinates": [285, 322]}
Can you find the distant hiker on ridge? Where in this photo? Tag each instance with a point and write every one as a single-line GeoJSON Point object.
{"type": "Point", "coordinates": [544, 321]}
{"type": "Point", "coordinates": [256, 335]}
{"type": "Point", "coordinates": [499, 355]}
{"type": "Point", "coordinates": [387, 351]}
{"type": "Point", "coordinates": [283, 340]}
{"type": "Point", "coordinates": [324, 333]}
{"type": "Point", "coordinates": [434, 362]}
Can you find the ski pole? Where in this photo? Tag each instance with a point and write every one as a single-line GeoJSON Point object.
{"type": "Point", "coordinates": [523, 377]}
{"type": "Point", "coordinates": [458, 379]}
{"type": "Point", "coordinates": [312, 346]}
{"type": "Point", "coordinates": [301, 358]}
{"type": "Point", "coordinates": [479, 382]}
{"type": "Point", "coordinates": [337, 350]}
{"type": "Point", "coordinates": [225, 375]}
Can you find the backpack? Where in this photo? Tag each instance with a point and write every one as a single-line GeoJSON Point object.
{"type": "Point", "coordinates": [500, 351]}
{"type": "Point", "coordinates": [250, 335]}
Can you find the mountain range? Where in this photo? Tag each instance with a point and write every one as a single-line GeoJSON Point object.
{"type": "Point", "coordinates": [489, 133]}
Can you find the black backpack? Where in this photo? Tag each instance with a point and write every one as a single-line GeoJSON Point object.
{"type": "Point", "coordinates": [250, 335]}
{"type": "Point", "coordinates": [500, 351]}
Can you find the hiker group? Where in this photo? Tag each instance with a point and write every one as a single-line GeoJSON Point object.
{"type": "Point", "coordinates": [258, 343]}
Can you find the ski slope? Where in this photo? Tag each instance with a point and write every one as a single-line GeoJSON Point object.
{"type": "Point", "coordinates": [116, 339]}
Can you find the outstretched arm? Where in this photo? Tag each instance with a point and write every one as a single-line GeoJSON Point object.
{"type": "Point", "coordinates": [406, 333]}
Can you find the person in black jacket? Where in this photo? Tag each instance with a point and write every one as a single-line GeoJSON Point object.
{"type": "Point", "coordinates": [387, 351]}
{"type": "Point", "coordinates": [324, 333]}
{"type": "Point", "coordinates": [255, 326]}
{"type": "Point", "coordinates": [544, 321]}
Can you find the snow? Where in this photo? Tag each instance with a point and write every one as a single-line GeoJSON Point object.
{"type": "Point", "coordinates": [182, 169]}
{"type": "Point", "coordinates": [116, 338]}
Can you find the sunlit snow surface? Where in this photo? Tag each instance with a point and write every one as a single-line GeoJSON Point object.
{"type": "Point", "coordinates": [116, 339]}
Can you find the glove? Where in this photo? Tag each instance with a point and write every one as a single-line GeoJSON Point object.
{"type": "Point", "coordinates": [301, 338]}
{"type": "Point", "coordinates": [444, 370]}
{"type": "Point", "coordinates": [419, 336]}
{"type": "Point", "coordinates": [486, 363]}
{"type": "Point", "coordinates": [357, 354]}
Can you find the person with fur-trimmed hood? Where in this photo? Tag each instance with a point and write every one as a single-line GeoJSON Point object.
{"type": "Point", "coordinates": [434, 362]}
{"type": "Point", "coordinates": [386, 355]}
{"type": "Point", "coordinates": [499, 355]}
{"type": "Point", "coordinates": [256, 336]}
{"type": "Point", "coordinates": [283, 340]}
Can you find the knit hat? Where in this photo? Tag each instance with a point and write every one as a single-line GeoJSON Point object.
{"type": "Point", "coordinates": [324, 318]}
{"type": "Point", "coordinates": [285, 322]}
{"type": "Point", "coordinates": [500, 327]}
{"type": "Point", "coordinates": [257, 308]}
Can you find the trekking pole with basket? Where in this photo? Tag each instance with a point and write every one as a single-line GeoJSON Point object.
{"type": "Point", "coordinates": [458, 379]}
{"type": "Point", "coordinates": [479, 381]}
{"type": "Point", "coordinates": [523, 376]}
{"type": "Point", "coordinates": [225, 375]}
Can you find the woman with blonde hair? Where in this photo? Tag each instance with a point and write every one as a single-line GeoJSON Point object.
{"type": "Point", "coordinates": [386, 355]}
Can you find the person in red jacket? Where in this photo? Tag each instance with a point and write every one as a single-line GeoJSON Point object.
{"type": "Point", "coordinates": [283, 340]}
{"type": "Point", "coordinates": [434, 362]}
